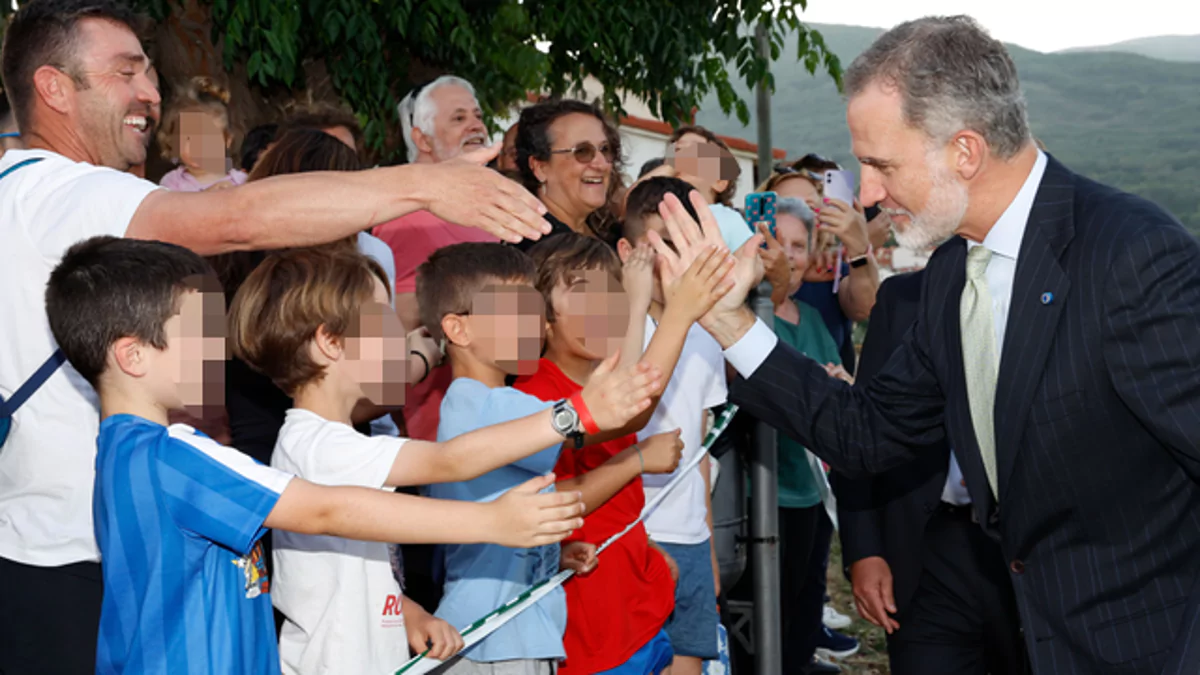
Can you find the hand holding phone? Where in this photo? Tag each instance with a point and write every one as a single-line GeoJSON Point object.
{"type": "Point", "coordinates": [760, 208]}
{"type": "Point", "coordinates": [839, 185]}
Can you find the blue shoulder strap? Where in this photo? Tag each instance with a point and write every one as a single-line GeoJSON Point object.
{"type": "Point", "coordinates": [9, 408]}
{"type": "Point", "coordinates": [18, 165]}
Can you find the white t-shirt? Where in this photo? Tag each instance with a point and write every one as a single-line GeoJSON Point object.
{"type": "Point", "coordinates": [697, 384]}
{"type": "Point", "coordinates": [47, 466]}
{"type": "Point", "coordinates": [339, 596]}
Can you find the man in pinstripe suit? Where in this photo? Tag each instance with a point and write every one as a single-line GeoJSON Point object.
{"type": "Point", "coordinates": [1074, 405]}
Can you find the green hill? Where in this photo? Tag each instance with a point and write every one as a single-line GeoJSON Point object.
{"type": "Point", "coordinates": [1122, 119]}
{"type": "Point", "coordinates": [1166, 47]}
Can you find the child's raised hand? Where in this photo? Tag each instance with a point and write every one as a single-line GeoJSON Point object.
{"type": "Point", "coordinates": [698, 289]}
{"type": "Point", "coordinates": [637, 276]}
{"type": "Point", "coordinates": [688, 238]}
{"type": "Point", "coordinates": [525, 518]}
{"type": "Point", "coordinates": [661, 452]}
{"type": "Point", "coordinates": [613, 397]}
{"type": "Point", "coordinates": [579, 556]}
{"type": "Point", "coordinates": [426, 631]}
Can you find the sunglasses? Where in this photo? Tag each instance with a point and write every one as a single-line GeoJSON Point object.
{"type": "Point", "coordinates": [784, 170]}
{"type": "Point", "coordinates": [585, 152]}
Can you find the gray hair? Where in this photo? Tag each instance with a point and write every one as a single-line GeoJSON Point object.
{"type": "Point", "coordinates": [951, 75]}
{"type": "Point", "coordinates": [797, 208]}
{"type": "Point", "coordinates": [419, 111]}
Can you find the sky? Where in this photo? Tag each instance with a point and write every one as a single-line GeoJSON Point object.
{"type": "Point", "coordinates": [1041, 25]}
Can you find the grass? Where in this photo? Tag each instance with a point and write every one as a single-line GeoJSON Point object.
{"type": "Point", "coordinates": [871, 658]}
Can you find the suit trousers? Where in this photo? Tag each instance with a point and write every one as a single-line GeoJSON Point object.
{"type": "Point", "coordinates": [963, 618]}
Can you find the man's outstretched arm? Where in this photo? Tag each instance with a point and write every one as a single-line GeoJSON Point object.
{"type": "Point", "coordinates": [316, 208]}
{"type": "Point", "coordinates": [857, 431]}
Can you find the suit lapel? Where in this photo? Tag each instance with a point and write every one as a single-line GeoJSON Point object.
{"type": "Point", "coordinates": [958, 414]}
{"type": "Point", "coordinates": [1040, 291]}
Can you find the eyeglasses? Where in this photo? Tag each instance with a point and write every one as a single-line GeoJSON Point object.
{"type": "Point", "coordinates": [585, 152]}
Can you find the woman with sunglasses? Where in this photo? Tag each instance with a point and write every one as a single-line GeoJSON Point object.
{"type": "Point", "coordinates": [568, 155]}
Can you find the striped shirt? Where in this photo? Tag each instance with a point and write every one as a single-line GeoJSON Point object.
{"type": "Point", "coordinates": [178, 518]}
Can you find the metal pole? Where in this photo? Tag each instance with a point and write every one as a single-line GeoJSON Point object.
{"type": "Point", "coordinates": [763, 110]}
{"type": "Point", "coordinates": [764, 529]}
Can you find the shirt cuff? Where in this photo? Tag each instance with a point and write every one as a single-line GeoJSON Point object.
{"type": "Point", "coordinates": [748, 353]}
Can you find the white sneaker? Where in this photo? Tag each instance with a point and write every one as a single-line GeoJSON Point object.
{"type": "Point", "coordinates": [834, 619]}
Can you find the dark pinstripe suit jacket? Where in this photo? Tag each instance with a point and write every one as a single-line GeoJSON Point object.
{"type": "Point", "coordinates": [1097, 425]}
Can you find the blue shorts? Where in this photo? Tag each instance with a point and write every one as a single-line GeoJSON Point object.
{"type": "Point", "coordinates": [651, 659]}
{"type": "Point", "coordinates": [693, 626]}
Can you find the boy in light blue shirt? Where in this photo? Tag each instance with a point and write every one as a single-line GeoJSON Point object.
{"type": "Point", "coordinates": [480, 299]}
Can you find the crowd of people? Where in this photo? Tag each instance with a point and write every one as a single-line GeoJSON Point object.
{"type": "Point", "coordinates": [294, 414]}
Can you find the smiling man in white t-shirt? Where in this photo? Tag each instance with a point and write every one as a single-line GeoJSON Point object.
{"type": "Point", "coordinates": [77, 78]}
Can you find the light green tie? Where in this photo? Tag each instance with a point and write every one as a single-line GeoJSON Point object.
{"type": "Point", "coordinates": [980, 362]}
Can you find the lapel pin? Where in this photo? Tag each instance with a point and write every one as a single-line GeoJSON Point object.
{"type": "Point", "coordinates": [1047, 298]}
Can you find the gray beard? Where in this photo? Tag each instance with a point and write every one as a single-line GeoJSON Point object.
{"type": "Point", "coordinates": [943, 212]}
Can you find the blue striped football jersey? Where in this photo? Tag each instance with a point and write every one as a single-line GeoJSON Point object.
{"type": "Point", "coordinates": [178, 518]}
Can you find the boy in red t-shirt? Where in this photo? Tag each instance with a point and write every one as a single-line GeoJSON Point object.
{"type": "Point", "coordinates": [615, 614]}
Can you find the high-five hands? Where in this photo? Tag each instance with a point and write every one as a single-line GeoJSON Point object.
{"type": "Point", "coordinates": [690, 240]}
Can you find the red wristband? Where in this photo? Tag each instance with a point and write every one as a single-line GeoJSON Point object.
{"type": "Point", "coordinates": [585, 415]}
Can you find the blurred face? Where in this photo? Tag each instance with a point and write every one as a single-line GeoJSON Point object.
{"type": "Point", "coordinates": [115, 112]}
{"type": "Point", "coordinates": [591, 315]}
{"type": "Point", "coordinates": [458, 125]}
{"type": "Point", "coordinates": [910, 179]}
{"type": "Point", "coordinates": [190, 374]}
{"type": "Point", "coordinates": [376, 350]}
{"type": "Point", "coordinates": [700, 165]}
{"type": "Point", "coordinates": [202, 142]}
{"type": "Point", "coordinates": [576, 187]}
{"type": "Point", "coordinates": [800, 188]}
{"type": "Point", "coordinates": [506, 324]}
{"type": "Point", "coordinates": [793, 237]}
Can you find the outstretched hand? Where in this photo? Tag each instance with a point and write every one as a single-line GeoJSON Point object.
{"type": "Point", "coordinates": [464, 191]}
{"type": "Point", "coordinates": [615, 396]}
{"type": "Point", "coordinates": [525, 517]}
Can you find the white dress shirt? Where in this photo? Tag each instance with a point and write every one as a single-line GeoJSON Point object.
{"type": "Point", "coordinates": [1004, 241]}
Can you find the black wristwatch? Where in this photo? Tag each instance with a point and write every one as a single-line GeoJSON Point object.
{"type": "Point", "coordinates": [565, 421]}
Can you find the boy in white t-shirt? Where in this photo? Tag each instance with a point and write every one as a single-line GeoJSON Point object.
{"type": "Point", "coordinates": [682, 523]}
{"type": "Point", "coordinates": [319, 324]}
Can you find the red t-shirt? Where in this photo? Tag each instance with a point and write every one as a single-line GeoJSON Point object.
{"type": "Point", "coordinates": [413, 238]}
{"type": "Point", "coordinates": [624, 602]}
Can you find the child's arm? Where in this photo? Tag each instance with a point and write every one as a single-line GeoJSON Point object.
{"type": "Point", "coordinates": [659, 454]}
{"type": "Point", "coordinates": [520, 518]}
{"type": "Point", "coordinates": [637, 276]}
{"type": "Point", "coordinates": [689, 295]}
{"type": "Point", "coordinates": [613, 398]}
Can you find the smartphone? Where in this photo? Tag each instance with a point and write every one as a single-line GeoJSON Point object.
{"type": "Point", "coordinates": [760, 208]}
{"type": "Point", "coordinates": [840, 185]}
